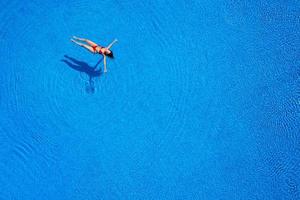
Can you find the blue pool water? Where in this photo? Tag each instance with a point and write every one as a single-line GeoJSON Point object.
{"type": "Point", "coordinates": [200, 102]}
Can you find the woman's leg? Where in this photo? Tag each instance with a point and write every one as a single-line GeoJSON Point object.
{"type": "Point", "coordinates": [91, 43]}
{"type": "Point", "coordinates": [84, 45]}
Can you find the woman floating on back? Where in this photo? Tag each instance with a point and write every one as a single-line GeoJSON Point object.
{"type": "Point", "coordinates": [95, 48]}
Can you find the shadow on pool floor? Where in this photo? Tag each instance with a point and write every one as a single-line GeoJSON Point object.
{"type": "Point", "coordinates": [81, 66]}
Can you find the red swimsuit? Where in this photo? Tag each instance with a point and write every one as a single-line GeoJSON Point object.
{"type": "Point", "coordinates": [94, 48]}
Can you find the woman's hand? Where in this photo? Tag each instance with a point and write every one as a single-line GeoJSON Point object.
{"type": "Point", "coordinates": [113, 42]}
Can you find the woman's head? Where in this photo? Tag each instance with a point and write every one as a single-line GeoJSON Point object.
{"type": "Point", "coordinates": [110, 54]}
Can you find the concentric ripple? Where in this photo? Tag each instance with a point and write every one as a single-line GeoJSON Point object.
{"type": "Point", "coordinates": [195, 101]}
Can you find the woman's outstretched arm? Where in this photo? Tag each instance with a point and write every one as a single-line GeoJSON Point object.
{"type": "Point", "coordinates": [113, 42]}
{"type": "Point", "coordinates": [105, 70]}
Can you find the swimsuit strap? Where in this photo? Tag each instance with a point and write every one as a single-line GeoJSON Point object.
{"type": "Point", "coordinates": [101, 49]}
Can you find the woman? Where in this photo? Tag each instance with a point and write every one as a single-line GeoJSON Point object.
{"type": "Point", "coordinates": [95, 48]}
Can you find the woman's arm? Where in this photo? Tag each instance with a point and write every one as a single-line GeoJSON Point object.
{"type": "Point", "coordinates": [113, 42]}
{"type": "Point", "coordinates": [104, 63]}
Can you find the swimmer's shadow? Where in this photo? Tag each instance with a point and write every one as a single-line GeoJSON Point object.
{"type": "Point", "coordinates": [84, 67]}
{"type": "Point", "coordinates": [81, 66]}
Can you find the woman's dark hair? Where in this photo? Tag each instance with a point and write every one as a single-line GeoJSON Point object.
{"type": "Point", "coordinates": [111, 55]}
